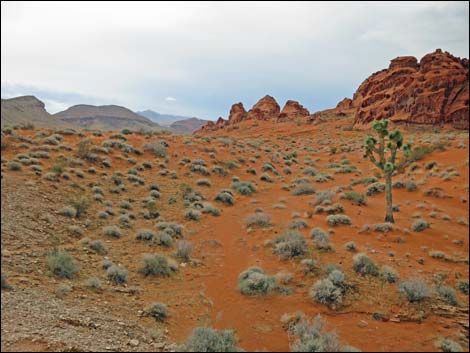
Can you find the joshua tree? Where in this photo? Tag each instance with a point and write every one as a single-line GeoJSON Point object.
{"type": "Point", "coordinates": [376, 151]}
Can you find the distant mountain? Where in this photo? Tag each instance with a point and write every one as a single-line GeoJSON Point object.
{"type": "Point", "coordinates": [106, 117]}
{"type": "Point", "coordinates": [28, 110]}
{"type": "Point", "coordinates": [162, 119]}
{"type": "Point", "coordinates": [187, 126]}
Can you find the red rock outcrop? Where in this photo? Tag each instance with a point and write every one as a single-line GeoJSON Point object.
{"type": "Point", "coordinates": [293, 110]}
{"type": "Point", "coordinates": [220, 123]}
{"type": "Point", "coordinates": [345, 104]}
{"type": "Point", "coordinates": [434, 91]}
{"type": "Point", "coordinates": [237, 113]}
{"type": "Point", "coordinates": [266, 108]}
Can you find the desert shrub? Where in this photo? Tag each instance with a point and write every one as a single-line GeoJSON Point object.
{"type": "Point", "coordinates": [333, 209]}
{"type": "Point", "coordinates": [410, 186]}
{"type": "Point", "coordinates": [415, 289]}
{"type": "Point", "coordinates": [363, 265]}
{"type": "Point", "coordinates": [356, 197]}
{"type": "Point", "coordinates": [419, 225]}
{"type": "Point", "coordinates": [365, 181]}
{"type": "Point", "coordinates": [225, 197]}
{"type": "Point", "coordinates": [14, 166]}
{"type": "Point", "coordinates": [265, 177]}
{"type": "Point", "coordinates": [337, 278]}
{"type": "Point", "coordinates": [375, 188]}
{"type": "Point", "coordinates": [297, 224]}
{"type": "Point", "coordinates": [5, 284]}
{"type": "Point", "coordinates": [158, 311]}
{"type": "Point", "coordinates": [93, 283]}
{"type": "Point", "coordinates": [463, 286]}
{"type": "Point", "coordinates": [221, 171]}
{"type": "Point", "coordinates": [206, 339]}
{"type": "Point", "coordinates": [203, 182]}
{"type": "Point", "coordinates": [447, 294]}
{"type": "Point", "coordinates": [68, 211]}
{"type": "Point", "coordinates": [243, 187]}
{"type": "Point", "coordinates": [310, 171]}
{"type": "Point", "coordinates": [334, 220]}
{"type": "Point", "coordinates": [303, 189]}
{"type": "Point", "coordinates": [81, 203]}
{"type": "Point", "coordinates": [324, 291]}
{"type": "Point", "coordinates": [382, 227]}
{"type": "Point", "coordinates": [117, 274]}
{"type": "Point", "coordinates": [448, 345]}
{"type": "Point", "coordinates": [105, 264]}
{"type": "Point", "coordinates": [350, 246]}
{"type": "Point", "coordinates": [322, 196]}
{"type": "Point", "coordinates": [62, 264]}
{"type": "Point", "coordinates": [172, 228]}
{"type": "Point", "coordinates": [290, 244]}
{"type": "Point", "coordinates": [145, 234]}
{"type": "Point", "coordinates": [258, 219]}
{"type": "Point", "coordinates": [388, 274]}
{"type": "Point", "coordinates": [312, 337]}
{"type": "Point", "coordinates": [192, 215]}
{"type": "Point", "coordinates": [156, 265]}
{"type": "Point", "coordinates": [183, 250]}
{"type": "Point", "coordinates": [112, 231]}
{"type": "Point", "coordinates": [98, 247]}
{"type": "Point", "coordinates": [159, 149]}
{"type": "Point", "coordinates": [255, 281]}
{"type": "Point", "coordinates": [322, 177]}
{"type": "Point", "coordinates": [436, 254]}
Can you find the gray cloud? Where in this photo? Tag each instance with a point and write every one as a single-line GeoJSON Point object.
{"type": "Point", "coordinates": [210, 55]}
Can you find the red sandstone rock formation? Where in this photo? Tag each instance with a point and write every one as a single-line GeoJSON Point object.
{"type": "Point", "coordinates": [237, 113]}
{"type": "Point", "coordinates": [345, 104]}
{"type": "Point", "coordinates": [266, 108]}
{"type": "Point", "coordinates": [292, 110]}
{"type": "Point", "coordinates": [434, 91]}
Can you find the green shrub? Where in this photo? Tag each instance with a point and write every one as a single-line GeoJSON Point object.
{"type": "Point", "coordinates": [356, 197]}
{"type": "Point", "coordinates": [258, 219]}
{"type": "Point", "coordinates": [325, 292]}
{"type": "Point", "coordinates": [448, 345]}
{"type": "Point", "coordinates": [290, 244]}
{"type": "Point", "coordinates": [334, 220]}
{"type": "Point", "coordinates": [225, 197]}
{"type": "Point", "coordinates": [158, 311]}
{"type": "Point", "coordinates": [156, 265]}
{"type": "Point", "coordinates": [112, 231]}
{"type": "Point", "coordinates": [303, 189]}
{"type": "Point", "coordinates": [388, 274]}
{"type": "Point", "coordinates": [375, 188]}
{"type": "Point", "coordinates": [183, 250]}
{"type": "Point", "coordinates": [415, 289]}
{"type": "Point", "coordinates": [62, 264]}
{"type": "Point", "coordinates": [419, 225]}
{"type": "Point", "coordinates": [243, 187]}
{"type": "Point", "coordinates": [447, 294]}
{"type": "Point", "coordinates": [463, 286]}
{"type": "Point", "coordinates": [206, 339]}
{"type": "Point", "coordinates": [255, 281]}
{"type": "Point", "coordinates": [363, 265]}
{"type": "Point", "coordinates": [117, 274]}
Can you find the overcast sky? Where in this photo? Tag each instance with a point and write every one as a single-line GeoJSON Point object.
{"type": "Point", "coordinates": [197, 59]}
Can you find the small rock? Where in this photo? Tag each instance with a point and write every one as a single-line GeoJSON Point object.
{"type": "Point", "coordinates": [362, 323]}
{"type": "Point", "coordinates": [134, 342]}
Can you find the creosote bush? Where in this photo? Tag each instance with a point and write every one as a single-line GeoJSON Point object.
{"type": "Point", "coordinates": [419, 225]}
{"type": "Point", "coordinates": [243, 187]}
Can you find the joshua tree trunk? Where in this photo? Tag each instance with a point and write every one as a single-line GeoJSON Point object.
{"type": "Point", "coordinates": [388, 191]}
